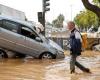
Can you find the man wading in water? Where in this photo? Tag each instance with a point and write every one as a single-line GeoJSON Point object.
{"type": "Point", "coordinates": [75, 50]}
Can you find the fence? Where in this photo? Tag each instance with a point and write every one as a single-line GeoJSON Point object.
{"type": "Point", "coordinates": [63, 42]}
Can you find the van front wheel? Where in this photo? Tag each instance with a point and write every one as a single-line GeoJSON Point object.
{"type": "Point", "coordinates": [3, 54]}
{"type": "Point", "coordinates": [47, 56]}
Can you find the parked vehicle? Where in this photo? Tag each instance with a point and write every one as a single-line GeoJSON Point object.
{"type": "Point", "coordinates": [96, 47]}
{"type": "Point", "coordinates": [93, 37]}
{"type": "Point", "coordinates": [8, 11]}
{"type": "Point", "coordinates": [93, 32]}
{"type": "Point", "coordinates": [20, 37]}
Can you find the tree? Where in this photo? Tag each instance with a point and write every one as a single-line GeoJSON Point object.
{"type": "Point", "coordinates": [86, 19]}
{"type": "Point", "coordinates": [59, 21]}
{"type": "Point", "coordinates": [92, 7]}
{"type": "Point", "coordinates": [97, 2]}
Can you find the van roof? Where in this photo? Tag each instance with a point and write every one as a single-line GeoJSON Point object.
{"type": "Point", "coordinates": [28, 24]}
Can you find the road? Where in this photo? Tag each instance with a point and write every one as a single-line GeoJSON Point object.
{"type": "Point", "coordinates": [34, 69]}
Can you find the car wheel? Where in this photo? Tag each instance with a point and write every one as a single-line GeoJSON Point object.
{"type": "Point", "coordinates": [94, 49]}
{"type": "Point", "coordinates": [93, 46]}
{"type": "Point", "coordinates": [47, 56]}
{"type": "Point", "coordinates": [3, 54]}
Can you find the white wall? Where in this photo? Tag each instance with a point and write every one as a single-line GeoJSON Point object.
{"type": "Point", "coordinates": [4, 10]}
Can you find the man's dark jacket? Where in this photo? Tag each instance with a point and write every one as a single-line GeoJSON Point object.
{"type": "Point", "coordinates": [75, 44]}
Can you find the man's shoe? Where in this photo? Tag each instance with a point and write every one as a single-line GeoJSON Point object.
{"type": "Point", "coordinates": [73, 71]}
{"type": "Point", "coordinates": [87, 70]}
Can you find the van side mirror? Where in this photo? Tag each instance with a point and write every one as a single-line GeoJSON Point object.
{"type": "Point", "coordinates": [38, 39]}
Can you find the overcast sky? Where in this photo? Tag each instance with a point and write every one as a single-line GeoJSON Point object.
{"type": "Point", "coordinates": [31, 7]}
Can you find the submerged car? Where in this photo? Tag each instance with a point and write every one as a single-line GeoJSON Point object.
{"type": "Point", "coordinates": [21, 38]}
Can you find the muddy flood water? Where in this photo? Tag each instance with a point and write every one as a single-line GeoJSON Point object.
{"type": "Point", "coordinates": [34, 69]}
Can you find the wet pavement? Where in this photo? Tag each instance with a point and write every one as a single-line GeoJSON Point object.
{"type": "Point", "coordinates": [34, 69]}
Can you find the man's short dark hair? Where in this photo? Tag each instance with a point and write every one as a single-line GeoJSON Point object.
{"type": "Point", "coordinates": [71, 22]}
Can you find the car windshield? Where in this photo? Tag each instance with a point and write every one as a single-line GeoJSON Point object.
{"type": "Point", "coordinates": [44, 38]}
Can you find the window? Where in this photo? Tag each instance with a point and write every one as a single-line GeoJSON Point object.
{"type": "Point", "coordinates": [28, 32]}
{"type": "Point", "coordinates": [0, 23]}
{"type": "Point", "coordinates": [9, 25]}
{"type": "Point", "coordinates": [25, 31]}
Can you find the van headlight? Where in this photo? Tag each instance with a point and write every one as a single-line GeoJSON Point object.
{"type": "Point", "coordinates": [60, 51]}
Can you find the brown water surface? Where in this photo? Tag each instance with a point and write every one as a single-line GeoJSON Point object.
{"type": "Point", "coordinates": [34, 69]}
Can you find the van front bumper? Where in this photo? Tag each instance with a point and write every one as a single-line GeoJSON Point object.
{"type": "Point", "coordinates": [60, 55]}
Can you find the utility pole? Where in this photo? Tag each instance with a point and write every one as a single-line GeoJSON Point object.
{"type": "Point", "coordinates": [71, 12]}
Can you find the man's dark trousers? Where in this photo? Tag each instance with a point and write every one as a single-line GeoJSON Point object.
{"type": "Point", "coordinates": [73, 63]}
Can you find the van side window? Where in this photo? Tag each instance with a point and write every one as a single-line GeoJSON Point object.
{"type": "Point", "coordinates": [28, 32]}
{"type": "Point", "coordinates": [0, 23]}
{"type": "Point", "coordinates": [10, 26]}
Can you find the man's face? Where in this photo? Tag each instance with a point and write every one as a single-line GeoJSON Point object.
{"type": "Point", "coordinates": [70, 25]}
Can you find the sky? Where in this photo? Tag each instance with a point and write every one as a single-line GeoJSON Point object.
{"type": "Point", "coordinates": [69, 8]}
